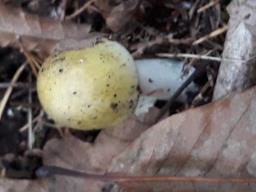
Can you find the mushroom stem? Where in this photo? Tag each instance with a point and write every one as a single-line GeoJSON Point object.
{"type": "Point", "coordinates": [162, 79]}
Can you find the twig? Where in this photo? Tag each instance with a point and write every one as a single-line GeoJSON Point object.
{"type": "Point", "coordinates": [199, 96]}
{"type": "Point", "coordinates": [16, 85]}
{"type": "Point", "coordinates": [211, 35]}
{"type": "Point", "coordinates": [42, 122]}
{"type": "Point", "coordinates": [207, 6]}
{"type": "Point", "coordinates": [80, 10]}
{"type": "Point", "coordinates": [193, 9]}
{"type": "Point", "coordinates": [23, 104]}
{"type": "Point", "coordinates": [42, 132]}
{"type": "Point", "coordinates": [39, 123]}
{"type": "Point", "coordinates": [25, 127]}
{"type": "Point", "coordinates": [50, 125]}
{"type": "Point", "coordinates": [10, 88]}
{"type": "Point", "coordinates": [31, 60]}
{"type": "Point", "coordinates": [62, 9]}
{"type": "Point", "coordinates": [31, 137]}
{"type": "Point", "coordinates": [141, 47]}
{"type": "Point", "coordinates": [175, 95]}
{"type": "Point", "coordinates": [47, 171]}
{"type": "Point", "coordinates": [188, 55]}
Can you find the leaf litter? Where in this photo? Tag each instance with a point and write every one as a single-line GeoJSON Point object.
{"type": "Point", "coordinates": [215, 141]}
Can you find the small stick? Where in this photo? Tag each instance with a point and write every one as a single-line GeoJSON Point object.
{"type": "Point", "coordinates": [80, 10]}
{"type": "Point", "coordinates": [158, 41]}
{"type": "Point", "coordinates": [193, 8]}
{"type": "Point", "coordinates": [201, 93]}
{"type": "Point", "coordinates": [16, 85]}
{"type": "Point", "coordinates": [31, 136]}
{"type": "Point", "coordinates": [25, 127]}
{"type": "Point", "coordinates": [207, 6]}
{"type": "Point", "coordinates": [62, 9]}
{"type": "Point", "coordinates": [211, 35]}
{"type": "Point", "coordinates": [10, 88]}
{"type": "Point", "coordinates": [50, 125]}
{"type": "Point", "coordinates": [175, 95]}
{"type": "Point", "coordinates": [46, 171]}
{"type": "Point", "coordinates": [188, 55]}
{"type": "Point", "coordinates": [31, 61]}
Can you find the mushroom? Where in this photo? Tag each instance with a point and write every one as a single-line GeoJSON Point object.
{"type": "Point", "coordinates": [94, 87]}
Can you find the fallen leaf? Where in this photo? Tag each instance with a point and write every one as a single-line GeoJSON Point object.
{"type": "Point", "coordinates": [10, 185]}
{"type": "Point", "coordinates": [216, 140]}
{"type": "Point", "coordinates": [118, 17]}
{"type": "Point", "coordinates": [95, 158]}
{"type": "Point", "coordinates": [34, 30]}
{"type": "Point", "coordinates": [237, 69]}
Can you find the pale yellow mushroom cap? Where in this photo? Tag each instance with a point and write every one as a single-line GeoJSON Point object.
{"type": "Point", "coordinates": [89, 88]}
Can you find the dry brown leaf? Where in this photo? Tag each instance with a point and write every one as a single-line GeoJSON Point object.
{"type": "Point", "coordinates": [72, 153]}
{"type": "Point", "coordinates": [8, 185]}
{"type": "Point", "coordinates": [97, 156]}
{"type": "Point", "coordinates": [120, 16]}
{"type": "Point", "coordinates": [216, 140]}
{"type": "Point", "coordinates": [238, 70]}
{"type": "Point", "coordinates": [60, 183]}
{"type": "Point", "coordinates": [36, 32]}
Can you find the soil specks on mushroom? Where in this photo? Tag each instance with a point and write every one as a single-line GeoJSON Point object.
{"type": "Point", "coordinates": [131, 104]}
{"type": "Point", "coordinates": [60, 70]}
{"type": "Point", "coordinates": [92, 86]}
{"type": "Point", "coordinates": [114, 107]}
{"type": "Point", "coordinates": [150, 80]}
